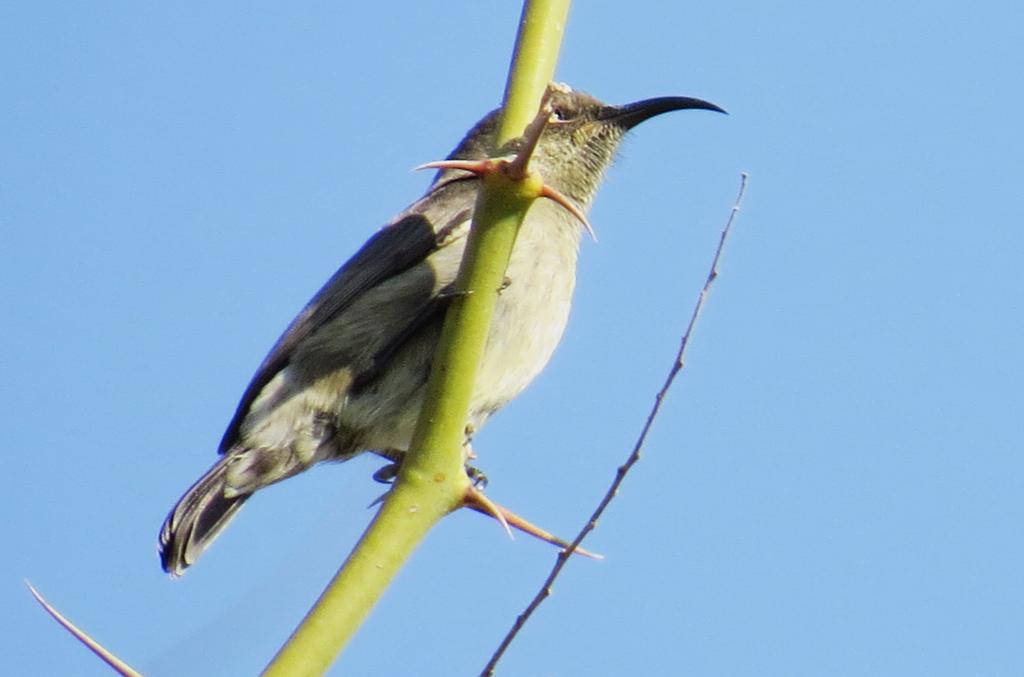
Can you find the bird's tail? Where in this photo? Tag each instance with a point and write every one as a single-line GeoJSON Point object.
{"type": "Point", "coordinates": [197, 519]}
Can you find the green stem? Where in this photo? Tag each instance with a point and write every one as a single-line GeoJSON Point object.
{"type": "Point", "coordinates": [432, 481]}
{"type": "Point", "coordinates": [541, 28]}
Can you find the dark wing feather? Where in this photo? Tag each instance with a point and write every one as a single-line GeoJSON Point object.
{"type": "Point", "coordinates": [393, 249]}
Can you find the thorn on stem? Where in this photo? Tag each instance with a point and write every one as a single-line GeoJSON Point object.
{"type": "Point", "coordinates": [104, 654]}
{"type": "Point", "coordinates": [517, 167]}
{"type": "Point", "coordinates": [475, 500]}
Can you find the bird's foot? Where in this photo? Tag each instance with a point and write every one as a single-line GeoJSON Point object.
{"type": "Point", "coordinates": [477, 477]}
{"type": "Point", "coordinates": [388, 473]}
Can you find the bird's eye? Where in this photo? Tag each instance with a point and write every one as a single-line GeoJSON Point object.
{"type": "Point", "coordinates": [561, 114]}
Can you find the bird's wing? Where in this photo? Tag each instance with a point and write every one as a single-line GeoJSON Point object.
{"type": "Point", "coordinates": [433, 222]}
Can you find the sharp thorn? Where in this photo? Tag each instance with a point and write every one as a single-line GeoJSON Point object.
{"type": "Point", "coordinates": [104, 654]}
{"type": "Point", "coordinates": [477, 501]}
{"type": "Point", "coordinates": [509, 518]}
{"type": "Point", "coordinates": [517, 168]}
{"type": "Point", "coordinates": [474, 166]}
{"type": "Point", "coordinates": [558, 197]}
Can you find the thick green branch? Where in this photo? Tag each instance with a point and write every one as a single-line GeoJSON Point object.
{"type": "Point", "coordinates": [541, 29]}
{"type": "Point", "coordinates": [432, 481]}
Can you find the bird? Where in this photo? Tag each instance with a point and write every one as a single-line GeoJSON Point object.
{"type": "Point", "coordinates": [348, 374]}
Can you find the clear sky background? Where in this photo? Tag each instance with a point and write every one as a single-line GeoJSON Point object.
{"type": "Point", "coordinates": [834, 487]}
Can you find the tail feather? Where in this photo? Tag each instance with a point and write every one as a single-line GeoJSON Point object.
{"type": "Point", "coordinates": [197, 519]}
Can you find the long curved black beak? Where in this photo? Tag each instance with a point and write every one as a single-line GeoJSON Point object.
{"type": "Point", "coordinates": [632, 114]}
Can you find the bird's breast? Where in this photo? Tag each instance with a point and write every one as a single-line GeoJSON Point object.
{"type": "Point", "coordinates": [532, 309]}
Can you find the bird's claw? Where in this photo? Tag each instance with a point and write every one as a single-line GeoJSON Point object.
{"type": "Point", "coordinates": [388, 473]}
{"type": "Point", "coordinates": [477, 477]}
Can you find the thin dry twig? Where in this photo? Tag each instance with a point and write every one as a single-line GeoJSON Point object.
{"type": "Point", "coordinates": [105, 655]}
{"type": "Point", "coordinates": [634, 456]}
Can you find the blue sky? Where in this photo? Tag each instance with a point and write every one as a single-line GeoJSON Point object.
{"type": "Point", "coordinates": [834, 486]}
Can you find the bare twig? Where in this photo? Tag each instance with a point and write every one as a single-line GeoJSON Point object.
{"type": "Point", "coordinates": [634, 456]}
{"type": "Point", "coordinates": [119, 666]}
